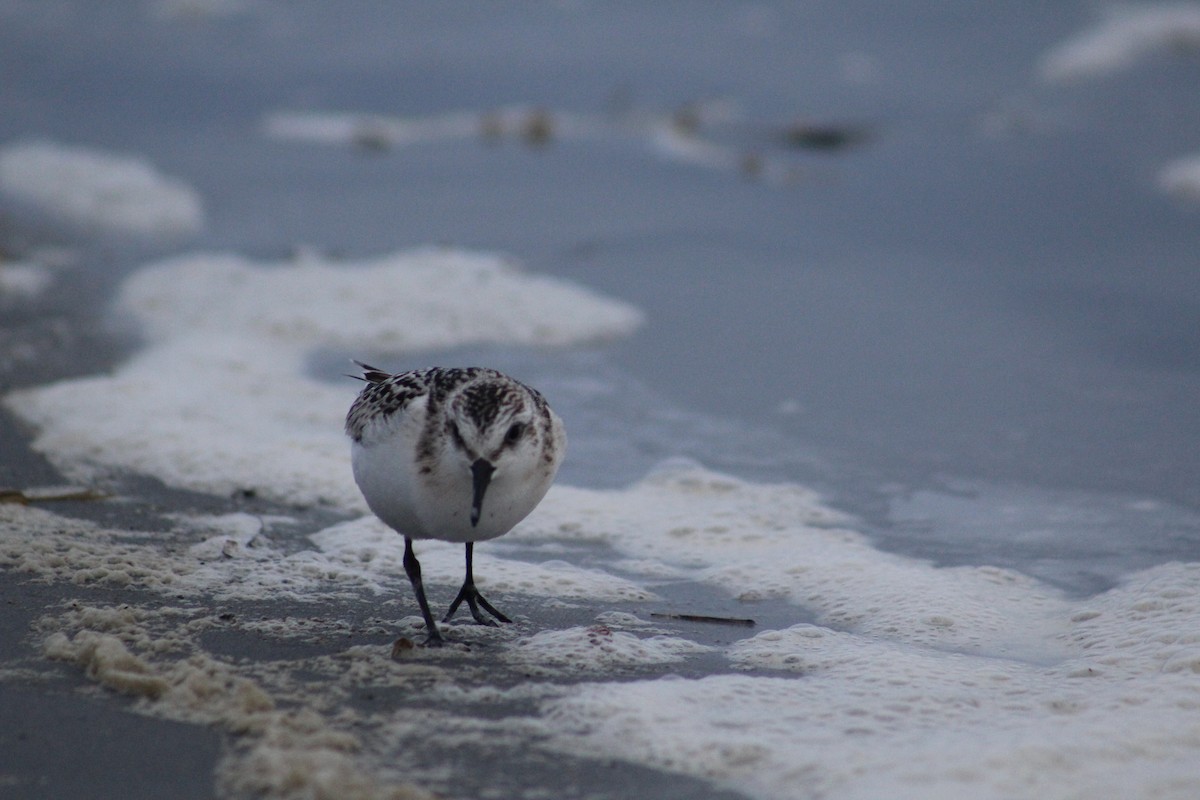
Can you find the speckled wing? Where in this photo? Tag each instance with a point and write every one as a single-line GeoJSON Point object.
{"type": "Point", "coordinates": [383, 396]}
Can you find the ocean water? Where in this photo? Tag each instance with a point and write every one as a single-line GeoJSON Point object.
{"type": "Point", "coordinates": [874, 332]}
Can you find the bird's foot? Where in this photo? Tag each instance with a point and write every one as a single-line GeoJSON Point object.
{"type": "Point", "coordinates": [434, 639]}
{"type": "Point", "coordinates": [475, 601]}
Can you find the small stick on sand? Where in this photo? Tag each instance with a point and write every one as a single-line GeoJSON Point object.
{"type": "Point", "coordinates": [49, 495]}
{"type": "Point", "coordinates": [748, 623]}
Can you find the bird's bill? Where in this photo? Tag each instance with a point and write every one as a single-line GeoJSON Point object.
{"type": "Point", "coordinates": [481, 471]}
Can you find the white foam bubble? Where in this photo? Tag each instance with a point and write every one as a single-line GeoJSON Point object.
{"type": "Point", "coordinates": [219, 400]}
{"type": "Point", "coordinates": [333, 128]}
{"type": "Point", "coordinates": [99, 191]}
{"type": "Point", "coordinates": [1181, 178]}
{"type": "Point", "coordinates": [22, 281]}
{"type": "Point", "coordinates": [597, 649]}
{"type": "Point", "coordinates": [200, 10]}
{"type": "Point", "coordinates": [1126, 34]}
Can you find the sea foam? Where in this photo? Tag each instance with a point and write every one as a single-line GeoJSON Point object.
{"type": "Point", "coordinates": [219, 400]}
{"type": "Point", "coordinates": [877, 675]}
{"type": "Point", "coordinates": [99, 192]}
{"type": "Point", "coordinates": [1126, 34]}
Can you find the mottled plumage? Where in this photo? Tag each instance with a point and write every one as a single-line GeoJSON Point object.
{"type": "Point", "coordinates": [460, 455]}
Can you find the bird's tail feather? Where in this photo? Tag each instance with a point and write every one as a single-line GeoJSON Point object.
{"type": "Point", "coordinates": [370, 374]}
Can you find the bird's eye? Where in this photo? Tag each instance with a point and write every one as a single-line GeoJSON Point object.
{"type": "Point", "coordinates": [514, 433]}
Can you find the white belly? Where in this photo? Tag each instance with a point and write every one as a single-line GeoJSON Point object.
{"type": "Point", "coordinates": [437, 505]}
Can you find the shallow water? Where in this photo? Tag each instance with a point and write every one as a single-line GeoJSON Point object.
{"type": "Point", "coordinates": [919, 261]}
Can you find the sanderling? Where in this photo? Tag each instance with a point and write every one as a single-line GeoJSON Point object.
{"type": "Point", "coordinates": [430, 445]}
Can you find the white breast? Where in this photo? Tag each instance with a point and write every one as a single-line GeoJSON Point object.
{"type": "Point", "coordinates": [437, 504]}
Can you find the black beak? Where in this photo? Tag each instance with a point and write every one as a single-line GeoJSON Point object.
{"type": "Point", "coordinates": [482, 471]}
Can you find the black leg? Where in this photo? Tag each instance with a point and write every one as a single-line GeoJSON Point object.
{"type": "Point", "coordinates": [474, 599]}
{"type": "Point", "coordinates": [412, 568]}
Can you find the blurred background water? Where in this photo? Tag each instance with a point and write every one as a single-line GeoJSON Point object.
{"type": "Point", "coordinates": [910, 271]}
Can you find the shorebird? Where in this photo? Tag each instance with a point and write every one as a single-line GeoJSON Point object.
{"type": "Point", "coordinates": [460, 455]}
